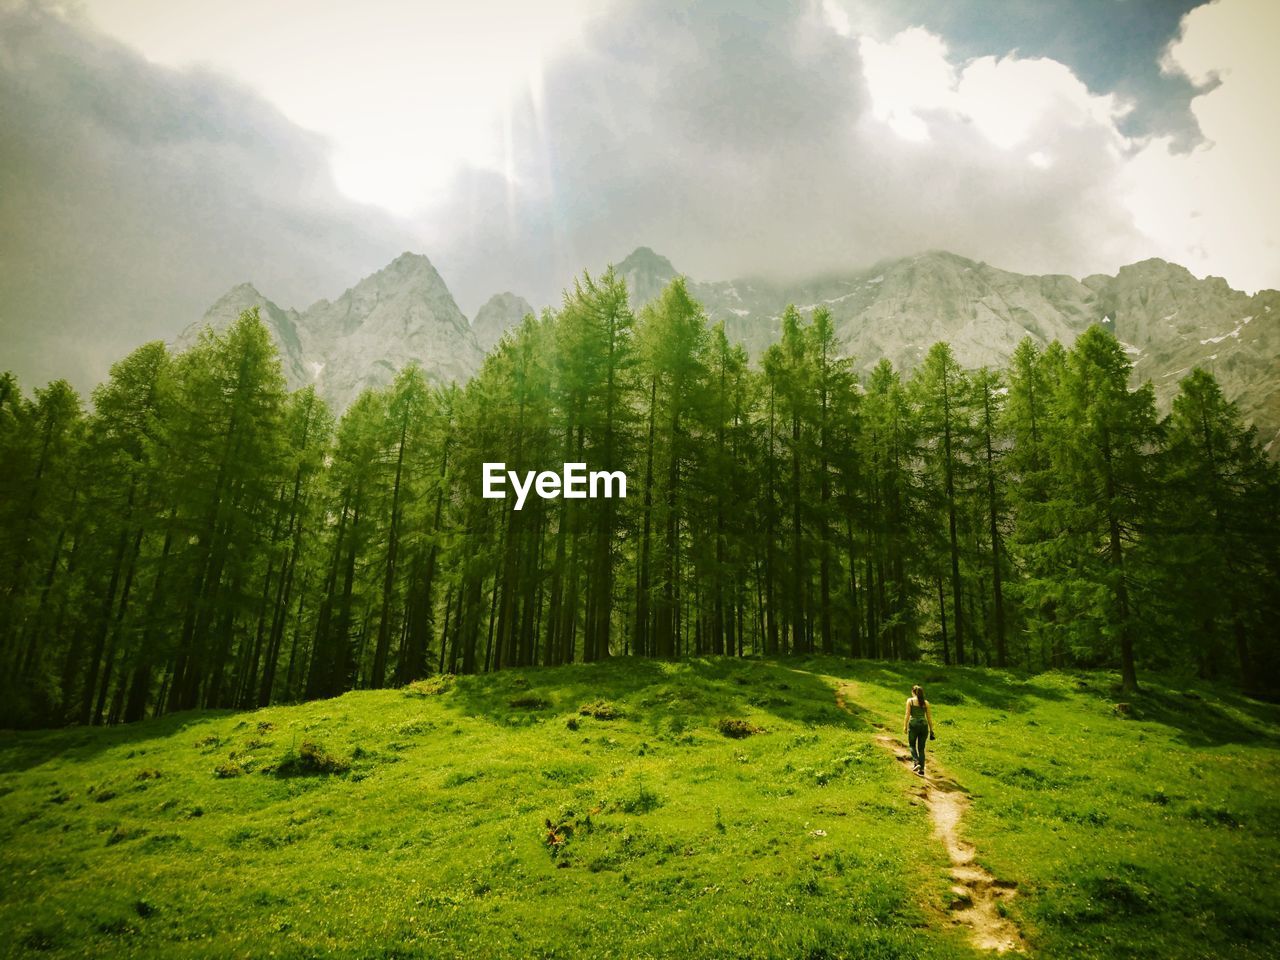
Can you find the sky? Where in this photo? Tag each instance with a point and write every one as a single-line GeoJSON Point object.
{"type": "Point", "coordinates": [157, 152]}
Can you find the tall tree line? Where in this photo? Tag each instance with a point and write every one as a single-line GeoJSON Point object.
{"type": "Point", "coordinates": [198, 536]}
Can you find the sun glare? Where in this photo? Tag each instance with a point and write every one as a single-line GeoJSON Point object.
{"type": "Point", "coordinates": [406, 94]}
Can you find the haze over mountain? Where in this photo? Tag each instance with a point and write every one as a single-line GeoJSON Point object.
{"type": "Point", "coordinates": [1168, 320]}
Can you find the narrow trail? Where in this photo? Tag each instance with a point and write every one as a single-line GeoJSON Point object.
{"type": "Point", "coordinates": [976, 895]}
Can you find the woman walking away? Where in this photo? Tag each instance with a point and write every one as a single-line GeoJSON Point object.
{"type": "Point", "coordinates": [917, 724]}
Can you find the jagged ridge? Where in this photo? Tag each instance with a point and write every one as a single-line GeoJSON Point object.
{"type": "Point", "coordinates": [402, 313]}
{"type": "Point", "coordinates": [1169, 320]}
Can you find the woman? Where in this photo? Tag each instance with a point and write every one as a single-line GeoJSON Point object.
{"type": "Point", "coordinates": [917, 724]}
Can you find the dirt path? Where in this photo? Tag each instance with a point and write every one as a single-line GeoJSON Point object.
{"type": "Point", "coordinates": [976, 895]}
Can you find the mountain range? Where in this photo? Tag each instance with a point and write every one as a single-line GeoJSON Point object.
{"type": "Point", "coordinates": [1168, 320]}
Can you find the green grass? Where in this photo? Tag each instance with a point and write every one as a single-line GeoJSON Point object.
{"type": "Point", "coordinates": [610, 810]}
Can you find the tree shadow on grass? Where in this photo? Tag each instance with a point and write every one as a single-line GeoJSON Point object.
{"type": "Point", "coordinates": [1201, 713]}
{"type": "Point", "coordinates": [660, 695]}
{"type": "Point", "coordinates": [951, 686]}
{"type": "Point", "coordinates": [1207, 716]}
{"type": "Point", "coordinates": [701, 691]}
{"type": "Point", "coordinates": [25, 749]}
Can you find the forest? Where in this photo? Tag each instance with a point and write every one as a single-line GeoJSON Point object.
{"type": "Point", "coordinates": [197, 536]}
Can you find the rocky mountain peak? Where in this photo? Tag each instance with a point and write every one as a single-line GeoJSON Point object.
{"type": "Point", "coordinates": [500, 313]}
{"type": "Point", "coordinates": [930, 274]}
{"type": "Point", "coordinates": [243, 296]}
{"type": "Point", "coordinates": [932, 260]}
{"type": "Point", "coordinates": [1153, 270]}
{"type": "Point", "coordinates": [645, 274]}
{"type": "Point", "coordinates": [402, 313]}
{"type": "Point", "coordinates": [408, 266]}
{"type": "Point", "coordinates": [1168, 320]}
{"type": "Point", "coordinates": [409, 272]}
{"type": "Point", "coordinates": [1153, 265]}
{"type": "Point", "coordinates": [282, 324]}
{"type": "Point", "coordinates": [644, 258]}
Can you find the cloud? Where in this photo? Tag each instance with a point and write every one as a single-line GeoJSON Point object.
{"type": "Point", "coordinates": [907, 75]}
{"type": "Point", "coordinates": [766, 139]}
{"type": "Point", "coordinates": [1111, 46]}
{"type": "Point", "coordinates": [132, 196]}
{"type": "Point", "coordinates": [737, 138]}
{"type": "Point", "coordinates": [1217, 208]}
{"type": "Point", "coordinates": [402, 91]}
{"type": "Point", "coordinates": [1011, 100]}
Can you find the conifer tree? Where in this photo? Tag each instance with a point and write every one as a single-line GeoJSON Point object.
{"type": "Point", "coordinates": [1220, 577]}
{"type": "Point", "coordinates": [1103, 440]}
{"type": "Point", "coordinates": [942, 389]}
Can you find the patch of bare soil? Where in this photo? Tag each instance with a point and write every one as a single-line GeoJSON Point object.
{"type": "Point", "coordinates": [976, 896]}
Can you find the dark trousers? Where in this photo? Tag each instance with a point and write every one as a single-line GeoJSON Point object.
{"type": "Point", "coordinates": [917, 734]}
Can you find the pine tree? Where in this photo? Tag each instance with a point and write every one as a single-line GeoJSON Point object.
{"type": "Point", "coordinates": [1102, 448]}
{"type": "Point", "coordinates": [989, 392]}
{"type": "Point", "coordinates": [674, 340]}
{"type": "Point", "coordinates": [1219, 556]}
{"type": "Point", "coordinates": [223, 466]}
{"type": "Point", "coordinates": [123, 447]}
{"type": "Point", "coordinates": [891, 453]}
{"type": "Point", "coordinates": [943, 395]}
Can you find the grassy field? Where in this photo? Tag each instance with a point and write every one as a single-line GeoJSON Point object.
{"type": "Point", "coordinates": [610, 810]}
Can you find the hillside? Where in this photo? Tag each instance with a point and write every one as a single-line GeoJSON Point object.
{"type": "Point", "coordinates": [491, 816]}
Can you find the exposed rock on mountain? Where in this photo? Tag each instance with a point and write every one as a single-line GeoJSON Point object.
{"type": "Point", "coordinates": [283, 325]}
{"type": "Point", "coordinates": [645, 273]}
{"type": "Point", "coordinates": [1169, 320]}
{"type": "Point", "coordinates": [899, 308]}
{"type": "Point", "coordinates": [502, 312]}
{"type": "Point", "coordinates": [402, 313]}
